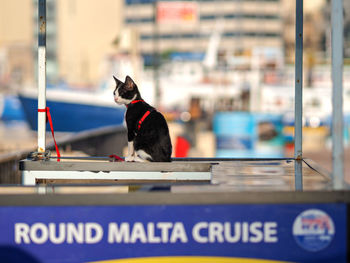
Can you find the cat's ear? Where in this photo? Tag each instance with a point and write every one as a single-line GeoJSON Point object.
{"type": "Point", "coordinates": [117, 81]}
{"type": "Point", "coordinates": [129, 83]}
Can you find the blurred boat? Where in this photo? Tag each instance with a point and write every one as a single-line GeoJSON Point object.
{"type": "Point", "coordinates": [11, 108]}
{"type": "Point", "coordinates": [74, 110]}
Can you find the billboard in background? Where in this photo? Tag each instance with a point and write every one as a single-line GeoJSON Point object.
{"type": "Point", "coordinates": [179, 13]}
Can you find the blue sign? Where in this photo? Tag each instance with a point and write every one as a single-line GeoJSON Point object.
{"type": "Point", "coordinates": [174, 233]}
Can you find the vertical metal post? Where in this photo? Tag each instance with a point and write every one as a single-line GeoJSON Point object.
{"type": "Point", "coordinates": [337, 91]}
{"type": "Point", "coordinates": [42, 76]}
{"type": "Point", "coordinates": [298, 111]}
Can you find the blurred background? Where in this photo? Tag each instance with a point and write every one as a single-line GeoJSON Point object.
{"type": "Point", "coordinates": [222, 72]}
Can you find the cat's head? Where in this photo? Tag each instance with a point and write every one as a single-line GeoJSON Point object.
{"type": "Point", "coordinates": [125, 92]}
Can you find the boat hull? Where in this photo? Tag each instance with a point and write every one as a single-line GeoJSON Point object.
{"type": "Point", "coordinates": [73, 117]}
{"type": "Point", "coordinates": [11, 109]}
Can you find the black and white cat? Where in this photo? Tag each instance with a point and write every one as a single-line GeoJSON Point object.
{"type": "Point", "coordinates": [148, 133]}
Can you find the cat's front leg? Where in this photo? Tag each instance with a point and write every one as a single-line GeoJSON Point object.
{"type": "Point", "coordinates": [131, 152]}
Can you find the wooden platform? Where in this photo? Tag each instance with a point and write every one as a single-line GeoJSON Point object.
{"type": "Point", "coordinates": [113, 172]}
{"type": "Point", "coordinates": [261, 175]}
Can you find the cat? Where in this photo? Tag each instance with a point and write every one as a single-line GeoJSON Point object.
{"type": "Point", "coordinates": [148, 132]}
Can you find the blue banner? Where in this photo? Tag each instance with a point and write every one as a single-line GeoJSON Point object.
{"type": "Point", "coordinates": [174, 233]}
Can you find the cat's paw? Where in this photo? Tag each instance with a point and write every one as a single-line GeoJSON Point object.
{"type": "Point", "coordinates": [130, 158]}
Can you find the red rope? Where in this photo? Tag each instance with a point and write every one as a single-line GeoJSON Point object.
{"type": "Point", "coordinates": [116, 158]}
{"type": "Point", "coordinates": [49, 119]}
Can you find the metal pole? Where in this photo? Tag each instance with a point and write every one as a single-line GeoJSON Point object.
{"type": "Point", "coordinates": [337, 94]}
{"type": "Point", "coordinates": [298, 111]}
{"type": "Point", "coordinates": [42, 76]}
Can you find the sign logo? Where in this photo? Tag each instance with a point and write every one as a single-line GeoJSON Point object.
{"type": "Point", "coordinates": [313, 230]}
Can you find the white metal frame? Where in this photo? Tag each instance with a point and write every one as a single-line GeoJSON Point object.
{"type": "Point", "coordinates": [337, 94]}
{"type": "Point", "coordinates": [29, 177]}
{"type": "Point", "coordinates": [42, 77]}
{"type": "Point", "coordinates": [298, 106]}
{"type": "Point", "coordinates": [337, 113]}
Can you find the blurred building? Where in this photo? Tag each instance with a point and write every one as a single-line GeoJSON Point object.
{"type": "Point", "coordinates": [317, 30]}
{"type": "Point", "coordinates": [80, 34]}
{"type": "Point", "coordinates": [245, 24]}
{"type": "Point", "coordinates": [16, 43]}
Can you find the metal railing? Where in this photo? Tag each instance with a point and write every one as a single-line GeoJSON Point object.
{"type": "Point", "coordinates": [93, 145]}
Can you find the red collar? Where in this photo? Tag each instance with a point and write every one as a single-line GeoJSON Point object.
{"type": "Point", "coordinates": [133, 102]}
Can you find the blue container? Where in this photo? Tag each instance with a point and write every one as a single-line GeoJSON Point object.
{"type": "Point", "coordinates": [236, 154]}
{"type": "Point", "coordinates": [234, 142]}
{"type": "Point", "coordinates": [246, 135]}
{"type": "Point", "coordinates": [233, 123]}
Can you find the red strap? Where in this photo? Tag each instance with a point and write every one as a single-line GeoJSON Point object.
{"type": "Point", "coordinates": [133, 102]}
{"type": "Point", "coordinates": [143, 118]}
{"type": "Point", "coordinates": [49, 118]}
